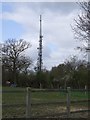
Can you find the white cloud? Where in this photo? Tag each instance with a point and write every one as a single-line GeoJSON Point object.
{"type": "Point", "coordinates": [42, 0]}
{"type": "Point", "coordinates": [58, 41]}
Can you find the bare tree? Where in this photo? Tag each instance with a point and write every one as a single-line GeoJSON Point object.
{"type": "Point", "coordinates": [12, 55]}
{"type": "Point", "coordinates": [23, 64]}
{"type": "Point", "coordinates": [82, 25]}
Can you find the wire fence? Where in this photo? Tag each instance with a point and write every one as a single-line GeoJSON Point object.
{"type": "Point", "coordinates": [34, 103]}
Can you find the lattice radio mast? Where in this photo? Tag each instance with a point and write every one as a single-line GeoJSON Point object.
{"type": "Point", "coordinates": [39, 62]}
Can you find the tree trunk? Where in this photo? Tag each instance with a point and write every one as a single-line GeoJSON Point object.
{"type": "Point", "coordinates": [14, 72]}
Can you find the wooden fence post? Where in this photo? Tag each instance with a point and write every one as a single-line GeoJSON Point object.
{"type": "Point", "coordinates": [28, 103]}
{"type": "Point", "coordinates": [68, 101]}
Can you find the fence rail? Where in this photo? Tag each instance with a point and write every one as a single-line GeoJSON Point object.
{"type": "Point", "coordinates": [45, 103]}
{"type": "Point", "coordinates": [29, 103]}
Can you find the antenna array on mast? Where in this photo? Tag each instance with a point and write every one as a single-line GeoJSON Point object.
{"type": "Point", "coordinates": [39, 62]}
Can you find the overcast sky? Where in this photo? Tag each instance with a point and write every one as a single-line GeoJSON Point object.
{"type": "Point", "coordinates": [21, 20]}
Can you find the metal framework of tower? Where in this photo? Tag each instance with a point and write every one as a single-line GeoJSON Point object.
{"type": "Point", "coordinates": [39, 60]}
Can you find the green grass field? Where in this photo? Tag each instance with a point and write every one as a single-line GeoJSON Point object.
{"type": "Point", "coordinates": [39, 97]}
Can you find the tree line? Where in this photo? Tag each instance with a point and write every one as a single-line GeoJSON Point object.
{"type": "Point", "coordinates": [16, 69]}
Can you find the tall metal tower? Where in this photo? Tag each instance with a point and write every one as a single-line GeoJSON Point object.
{"type": "Point", "coordinates": [39, 62]}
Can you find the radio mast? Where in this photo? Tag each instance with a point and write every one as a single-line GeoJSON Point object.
{"type": "Point", "coordinates": [39, 62]}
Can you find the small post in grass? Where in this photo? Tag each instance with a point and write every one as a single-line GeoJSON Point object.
{"type": "Point", "coordinates": [28, 103]}
{"type": "Point", "coordinates": [68, 101]}
{"type": "Point", "coordinates": [85, 89]}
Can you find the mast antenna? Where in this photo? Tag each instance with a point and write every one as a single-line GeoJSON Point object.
{"type": "Point", "coordinates": [39, 60]}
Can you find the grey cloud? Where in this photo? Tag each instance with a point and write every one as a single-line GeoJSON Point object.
{"type": "Point", "coordinates": [63, 7]}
